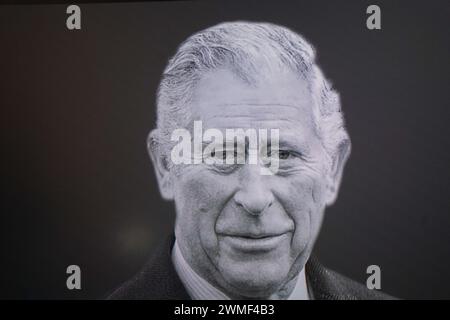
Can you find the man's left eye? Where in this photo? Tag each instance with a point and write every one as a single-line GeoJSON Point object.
{"type": "Point", "coordinates": [282, 154]}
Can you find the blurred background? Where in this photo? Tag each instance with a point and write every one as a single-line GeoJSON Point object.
{"type": "Point", "coordinates": [76, 106]}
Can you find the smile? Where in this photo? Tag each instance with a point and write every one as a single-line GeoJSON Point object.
{"type": "Point", "coordinates": [255, 243]}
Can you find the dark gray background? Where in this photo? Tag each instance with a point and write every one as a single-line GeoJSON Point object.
{"type": "Point", "coordinates": [76, 106]}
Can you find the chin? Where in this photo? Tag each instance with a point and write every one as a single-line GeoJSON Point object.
{"type": "Point", "coordinates": [255, 280]}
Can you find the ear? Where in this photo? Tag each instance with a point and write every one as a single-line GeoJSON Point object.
{"type": "Point", "coordinates": [335, 174]}
{"type": "Point", "coordinates": [159, 161]}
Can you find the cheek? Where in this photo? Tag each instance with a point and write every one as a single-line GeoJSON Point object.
{"type": "Point", "coordinates": [302, 193]}
{"type": "Point", "coordinates": [303, 199]}
{"type": "Point", "coordinates": [200, 197]}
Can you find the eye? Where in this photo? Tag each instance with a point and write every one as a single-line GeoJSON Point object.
{"type": "Point", "coordinates": [222, 154]}
{"type": "Point", "coordinates": [219, 164]}
{"type": "Point", "coordinates": [283, 154]}
{"type": "Point", "coordinates": [286, 155]}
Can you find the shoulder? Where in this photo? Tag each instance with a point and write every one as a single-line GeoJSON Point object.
{"type": "Point", "coordinates": [157, 280]}
{"type": "Point", "coordinates": [329, 285]}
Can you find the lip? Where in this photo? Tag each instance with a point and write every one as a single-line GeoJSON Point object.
{"type": "Point", "coordinates": [255, 243]}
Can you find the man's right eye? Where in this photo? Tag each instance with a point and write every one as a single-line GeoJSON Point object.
{"type": "Point", "coordinates": [222, 154]}
{"type": "Point", "coordinates": [218, 154]}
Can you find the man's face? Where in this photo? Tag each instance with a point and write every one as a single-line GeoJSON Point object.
{"type": "Point", "coordinates": [247, 233]}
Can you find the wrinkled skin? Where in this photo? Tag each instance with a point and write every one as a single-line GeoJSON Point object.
{"type": "Point", "coordinates": [222, 213]}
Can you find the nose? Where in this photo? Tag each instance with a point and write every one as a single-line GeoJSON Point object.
{"type": "Point", "coordinates": [254, 194]}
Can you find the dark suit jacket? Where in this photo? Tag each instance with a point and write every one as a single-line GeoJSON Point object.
{"type": "Point", "coordinates": [158, 280]}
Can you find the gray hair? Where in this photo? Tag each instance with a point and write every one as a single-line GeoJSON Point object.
{"type": "Point", "coordinates": [242, 46]}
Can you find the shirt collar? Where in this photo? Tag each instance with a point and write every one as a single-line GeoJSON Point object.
{"type": "Point", "coordinates": [200, 289]}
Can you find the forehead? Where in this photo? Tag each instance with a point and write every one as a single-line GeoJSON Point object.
{"type": "Point", "coordinates": [278, 101]}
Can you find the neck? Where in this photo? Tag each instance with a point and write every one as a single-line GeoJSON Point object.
{"type": "Point", "coordinates": [202, 288]}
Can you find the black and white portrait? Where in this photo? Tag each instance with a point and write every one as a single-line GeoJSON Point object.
{"type": "Point", "coordinates": [241, 232]}
{"type": "Point", "coordinates": [195, 150]}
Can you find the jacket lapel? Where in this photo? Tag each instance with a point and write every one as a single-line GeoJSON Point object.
{"type": "Point", "coordinates": [157, 280]}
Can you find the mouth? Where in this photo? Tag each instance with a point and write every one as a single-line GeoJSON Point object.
{"type": "Point", "coordinates": [254, 242]}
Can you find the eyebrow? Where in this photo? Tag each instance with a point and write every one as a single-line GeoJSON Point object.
{"type": "Point", "coordinates": [224, 144]}
{"type": "Point", "coordinates": [259, 104]}
{"type": "Point", "coordinates": [298, 145]}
